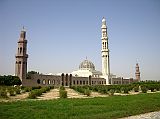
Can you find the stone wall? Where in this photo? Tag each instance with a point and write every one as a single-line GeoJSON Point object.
{"type": "Point", "coordinates": [69, 80]}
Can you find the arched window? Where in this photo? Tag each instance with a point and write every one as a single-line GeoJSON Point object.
{"type": "Point", "coordinates": [49, 81]}
{"type": "Point", "coordinates": [43, 82]}
{"type": "Point", "coordinates": [103, 45]}
{"type": "Point", "coordinates": [83, 82]}
{"type": "Point", "coordinates": [38, 81]}
{"type": "Point", "coordinates": [53, 82]}
{"type": "Point", "coordinates": [20, 50]}
{"type": "Point", "coordinates": [80, 82]}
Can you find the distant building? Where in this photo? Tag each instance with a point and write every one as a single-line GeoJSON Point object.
{"type": "Point", "coordinates": [85, 75]}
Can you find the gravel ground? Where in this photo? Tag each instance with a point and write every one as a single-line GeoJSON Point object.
{"type": "Point", "coordinates": [151, 115]}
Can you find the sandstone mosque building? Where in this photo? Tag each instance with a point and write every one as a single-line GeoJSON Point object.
{"type": "Point", "coordinates": [85, 75]}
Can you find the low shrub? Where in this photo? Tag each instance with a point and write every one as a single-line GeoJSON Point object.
{"type": "Point", "coordinates": [103, 90]}
{"type": "Point", "coordinates": [12, 92]}
{"type": "Point", "coordinates": [27, 89]}
{"type": "Point", "coordinates": [63, 94]}
{"type": "Point", "coordinates": [38, 92]}
{"type": "Point", "coordinates": [144, 89]}
{"type": "Point", "coordinates": [62, 88]}
{"type": "Point", "coordinates": [47, 88]}
{"type": "Point", "coordinates": [51, 87]}
{"type": "Point", "coordinates": [32, 95]}
{"type": "Point", "coordinates": [87, 92]}
{"type": "Point", "coordinates": [118, 90]}
{"type": "Point", "coordinates": [136, 89]}
{"type": "Point", "coordinates": [18, 91]}
{"type": "Point", "coordinates": [125, 89]}
{"type": "Point", "coordinates": [111, 92]}
{"type": "Point", "coordinates": [3, 94]}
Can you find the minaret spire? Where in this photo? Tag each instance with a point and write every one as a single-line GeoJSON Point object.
{"type": "Point", "coordinates": [21, 56]}
{"type": "Point", "coordinates": [105, 49]}
{"type": "Point", "coordinates": [137, 73]}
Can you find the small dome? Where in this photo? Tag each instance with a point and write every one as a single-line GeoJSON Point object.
{"type": "Point", "coordinates": [86, 65]}
{"type": "Point", "coordinates": [103, 21]}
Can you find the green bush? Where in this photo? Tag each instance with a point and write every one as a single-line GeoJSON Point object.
{"type": "Point", "coordinates": [18, 91]}
{"type": "Point", "coordinates": [158, 87]}
{"type": "Point", "coordinates": [144, 89]}
{"type": "Point", "coordinates": [125, 90]}
{"type": "Point", "coordinates": [3, 94]}
{"type": "Point", "coordinates": [87, 92]}
{"type": "Point", "coordinates": [38, 92]}
{"type": "Point", "coordinates": [111, 92]}
{"type": "Point", "coordinates": [103, 90]}
{"type": "Point", "coordinates": [32, 95]}
{"type": "Point", "coordinates": [27, 89]}
{"type": "Point", "coordinates": [51, 87]}
{"type": "Point", "coordinates": [63, 94]}
{"type": "Point", "coordinates": [10, 80]}
{"type": "Point", "coordinates": [47, 88]}
{"type": "Point", "coordinates": [62, 88]}
{"type": "Point", "coordinates": [152, 87]}
{"type": "Point", "coordinates": [118, 90]}
{"type": "Point", "coordinates": [12, 92]}
{"type": "Point", "coordinates": [136, 89]}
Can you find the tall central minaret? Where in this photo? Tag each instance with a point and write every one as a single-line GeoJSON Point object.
{"type": "Point", "coordinates": [21, 56]}
{"type": "Point", "coordinates": [105, 50]}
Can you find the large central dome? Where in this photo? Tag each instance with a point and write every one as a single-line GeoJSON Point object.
{"type": "Point", "coordinates": [86, 65]}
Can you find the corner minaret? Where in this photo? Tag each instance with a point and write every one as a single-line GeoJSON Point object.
{"type": "Point", "coordinates": [105, 50]}
{"type": "Point", "coordinates": [21, 56]}
{"type": "Point", "coordinates": [137, 73]}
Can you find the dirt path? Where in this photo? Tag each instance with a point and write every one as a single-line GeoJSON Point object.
{"type": "Point", "coordinates": [22, 96]}
{"type": "Point", "coordinates": [19, 96]}
{"type": "Point", "coordinates": [74, 94]}
{"type": "Point", "coordinates": [52, 94]}
{"type": "Point", "coordinates": [151, 115]}
{"type": "Point", "coordinates": [96, 94]}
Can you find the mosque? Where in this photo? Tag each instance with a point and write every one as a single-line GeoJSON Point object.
{"type": "Point", "coordinates": [85, 75]}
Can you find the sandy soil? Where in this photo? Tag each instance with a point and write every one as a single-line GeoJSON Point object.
{"type": "Point", "coordinates": [52, 94]}
{"type": "Point", "coordinates": [22, 96]}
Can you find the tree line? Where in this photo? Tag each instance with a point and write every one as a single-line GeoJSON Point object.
{"type": "Point", "coordinates": [10, 80]}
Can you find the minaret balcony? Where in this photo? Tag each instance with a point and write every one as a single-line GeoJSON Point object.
{"type": "Point", "coordinates": [22, 41]}
{"type": "Point", "coordinates": [103, 27]}
{"type": "Point", "coordinates": [104, 38]}
{"type": "Point", "coordinates": [105, 50]}
{"type": "Point", "coordinates": [21, 56]}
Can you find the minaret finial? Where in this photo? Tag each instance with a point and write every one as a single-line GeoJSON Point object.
{"type": "Point", "coordinates": [104, 21]}
{"type": "Point", "coordinates": [23, 28]}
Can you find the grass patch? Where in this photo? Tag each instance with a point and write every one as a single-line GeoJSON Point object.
{"type": "Point", "coordinates": [91, 108]}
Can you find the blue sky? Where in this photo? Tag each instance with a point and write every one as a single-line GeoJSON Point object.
{"type": "Point", "coordinates": [61, 33]}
